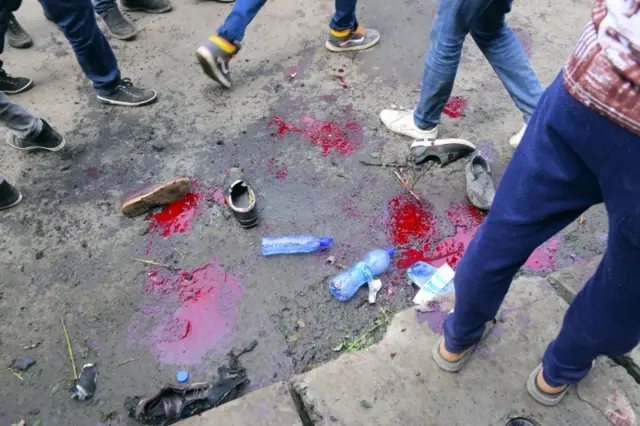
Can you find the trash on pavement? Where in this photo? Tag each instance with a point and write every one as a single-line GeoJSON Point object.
{"type": "Point", "coordinates": [182, 376]}
{"type": "Point", "coordinates": [346, 284]}
{"type": "Point", "coordinates": [366, 404]}
{"type": "Point", "coordinates": [444, 150]}
{"type": "Point", "coordinates": [294, 244]}
{"type": "Point", "coordinates": [480, 187]}
{"type": "Point", "coordinates": [145, 197]}
{"type": "Point", "coordinates": [22, 363]}
{"type": "Point", "coordinates": [240, 198]}
{"type": "Point", "coordinates": [292, 75]}
{"type": "Point", "coordinates": [85, 386]}
{"type": "Point", "coordinates": [374, 287]}
{"type": "Point", "coordinates": [176, 402]}
{"type": "Point", "coordinates": [432, 281]}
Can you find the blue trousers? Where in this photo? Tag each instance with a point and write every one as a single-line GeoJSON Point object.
{"type": "Point", "coordinates": [244, 11]}
{"type": "Point", "coordinates": [101, 6]}
{"type": "Point", "coordinates": [485, 21]}
{"type": "Point", "coordinates": [77, 21]}
{"type": "Point", "coordinates": [570, 158]}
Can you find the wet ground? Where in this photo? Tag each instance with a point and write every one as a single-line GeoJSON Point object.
{"type": "Point", "coordinates": [67, 251]}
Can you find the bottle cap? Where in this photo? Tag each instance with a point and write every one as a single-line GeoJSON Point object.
{"type": "Point", "coordinates": [391, 251]}
{"type": "Point", "coordinates": [182, 377]}
{"type": "Point", "coordinates": [325, 242]}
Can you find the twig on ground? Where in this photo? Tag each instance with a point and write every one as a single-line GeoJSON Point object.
{"type": "Point", "coordinates": [127, 361]}
{"type": "Point", "coordinates": [73, 361]}
{"type": "Point", "coordinates": [15, 373]}
{"type": "Point", "coordinates": [154, 263]}
{"type": "Point", "coordinates": [179, 252]}
{"type": "Point", "coordinates": [389, 164]}
{"type": "Point", "coordinates": [422, 174]}
{"type": "Point", "coordinates": [406, 186]}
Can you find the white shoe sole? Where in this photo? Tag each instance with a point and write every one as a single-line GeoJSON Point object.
{"type": "Point", "coordinates": [14, 204]}
{"type": "Point", "coordinates": [36, 148]}
{"type": "Point", "coordinates": [337, 49]}
{"type": "Point", "coordinates": [129, 104]}
{"type": "Point", "coordinates": [210, 67]}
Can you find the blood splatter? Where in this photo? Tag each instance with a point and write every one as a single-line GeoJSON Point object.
{"type": "Point", "coordinates": [341, 79]}
{"type": "Point", "coordinates": [207, 300]}
{"type": "Point", "coordinates": [329, 98]}
{"type": "Point", "coordinates": [409, 221]}
{"type": "Point", "coordinates": [340, 69]}
{"type": "Point", "coordinates": [92, 172]}
{"type": "Point", "coordinates": [272, 171]}
{"type": "Point", "coordinates": [328, 135]}
{"type": "Point", "coordinates": [176, 217]}
{"type": "Point", "coordinates": [455, 107]}
{"type": "Point", "coordinates": [544, 257]}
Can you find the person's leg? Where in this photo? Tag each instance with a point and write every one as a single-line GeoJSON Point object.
{"type": "Point", "coordinates": [546, 186]}
{"type": "Point", "coordinates": [101, 6]}
{"type": "Point", "coordinates": [9, 84]}
{"type": "Point", "coordinates": [344, 32]}
{"type": "Point", "coordinates": [506, 55]}
{"type": "Point", "coordinates": [17, 36]}
{"type": "Point", "coordinates": [215, 53]}
{"type": "Point", "coordinates": [118, 25]}
{"type": "Point", "coordinates": [77, 21]}
{"type": "Point", "coordinates": [17, 119]}
{"type": "Point", "coordinates": [452, 23]}
{"type": "Point", "coordinates": [9, 195]}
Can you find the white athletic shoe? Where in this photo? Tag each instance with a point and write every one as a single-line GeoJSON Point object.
{"type": "Point", "coordinates": [514, 141]}
{"type": "Point", "coordinates": [402, 122]}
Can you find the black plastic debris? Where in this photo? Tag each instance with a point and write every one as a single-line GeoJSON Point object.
{"type": "Point", "coordinates": [85, 386]}
{"type": "Point", "coordinates": [22, 363]}
{"type": "Point", "coordinates": [176, 402]}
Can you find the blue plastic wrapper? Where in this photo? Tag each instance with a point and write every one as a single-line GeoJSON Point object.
{"type": "Point", "coordinates": [421, 272]}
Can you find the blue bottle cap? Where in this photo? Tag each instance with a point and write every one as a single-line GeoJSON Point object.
{"type": "Point", "coordinates": [391, 251]}
{"type": "Point", "coordinates": [325, 242]}
{"type": "Point", "coordinates": [182, 376]}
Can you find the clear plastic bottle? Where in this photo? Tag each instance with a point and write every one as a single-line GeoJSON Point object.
{"type": "Point", "coordinates": [346, 284]}
{"type": "Point", "coordinates": [294, 244]}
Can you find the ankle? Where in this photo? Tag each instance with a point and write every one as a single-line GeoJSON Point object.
{"type": "Point", "coordinates": [546, 388]}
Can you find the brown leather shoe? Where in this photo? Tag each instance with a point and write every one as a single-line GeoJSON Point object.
{"type": "Point", "coordinates": [140, 200]}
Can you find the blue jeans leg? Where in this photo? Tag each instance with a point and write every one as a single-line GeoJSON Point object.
{"type": "Point", "coordinates": [7, 7]}
{"type": "Point", "coordinates": [77, 21]}
{"type": "Point", "coordinates": [559, 170]}
{"type": "Point", "coordinates": [238, 20]}
{"type": "Point", "coordinates": [345, 16]}
{"type": "Point", "coordinates": [504, 51]}
{"type": "Point", "coordinates": [101, 6]}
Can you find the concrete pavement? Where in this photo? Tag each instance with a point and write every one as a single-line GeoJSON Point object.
{"type": "Point", "coordinates": [395, 382]}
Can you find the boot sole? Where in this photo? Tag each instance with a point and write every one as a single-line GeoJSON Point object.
{"type": "Point", "coordinates": [21, 44]}
{"type": "Point", "coordinates": [164, 194]}
{"type": "Point", "coordinates": [129, 104]}
{"type": "Point", "coordinates": [337, 49]}
{"type": "Point", "coordinates": [142, 9]}
{"type": "Point", "coordinates": [14, 204]}
{"type": "Point", "coordinates": [36, 148]}
{"type": "Point", "coordinates": [209, 66]}
{"type": "Point", "coordinates": [24, 88]}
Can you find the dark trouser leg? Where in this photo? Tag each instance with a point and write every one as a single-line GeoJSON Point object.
{"type": "Point", "coordinates": [77, 21]}
{"type": "Point", "coordinates": [239, 19]}
{"type": "Point", "coordinates": [345, 16]}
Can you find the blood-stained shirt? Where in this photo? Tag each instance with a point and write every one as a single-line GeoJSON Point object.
{"type": "Point", "coordinates": [603, 72]}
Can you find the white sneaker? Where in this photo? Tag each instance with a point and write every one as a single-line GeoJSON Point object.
{"type": "Point", "coordinates": [514, 141]}
{"type": "Point", "coordinates": [402, 122]}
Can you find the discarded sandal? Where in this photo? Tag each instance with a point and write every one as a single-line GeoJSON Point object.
{"type": "Point", "coordinates": [240, 198]}
{"type": "Point", "coordinates": [172, 403]}
{"type": "Point", "coordinates": [444, 150]}
{"type": "Point", "coordinates": [140, 200]}
{"type": "Point", "coordinates": [544, 398]}
{"type": "Point", "coordinates": [85, 386]}
{"type": "Point", "coordinates": [456, 366]}
{"type": "Point", "coordinates": [480, 187]}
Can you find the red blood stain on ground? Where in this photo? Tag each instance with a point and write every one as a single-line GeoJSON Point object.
{"type": "Point", "coordinates": [455, 107]}
{"type": "Point", "coordinates": [412, 227]}
{"type": "Point", "coordinates": [341, 79]}
{"type": "Point", "coordinates": [92, 172]}
{"type": "Point", "coordinates": [340, 69]}
{"type": "Point", "coordinates": [329, 98]}
{"type": "Point", "coordinates": [327, 135]}
{"type": "Point", "coordinates": [207, 308]}
{"type": "Point", "coordinates": [176, 217]}
{"type": "Point", "coordinates": [272, 170]}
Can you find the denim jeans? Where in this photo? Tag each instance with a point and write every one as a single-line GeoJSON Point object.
{"type": "Point", "coordinates": [485, 21]}
{"type": "Point", "coordinates": [101, 6]}
{"type": "Point", "coordinates": [561, 168]}
{"type": "Point", "coordinates": [18, 120]}
{"type": "Point", "coordinates": [244, 11]}
{"type": "Point", "coordinates": [77, 20]}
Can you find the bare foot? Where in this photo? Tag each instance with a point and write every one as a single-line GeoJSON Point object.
{"type": "Point", "coordinates": [544, 387]}
{"type": "Point", "coordinates": [450, 356]}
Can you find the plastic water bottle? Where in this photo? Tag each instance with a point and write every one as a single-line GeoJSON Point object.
{"type": "Point", "coordinates": [294, 244]}
{"type": "Point", "coordinates": [345, 285]}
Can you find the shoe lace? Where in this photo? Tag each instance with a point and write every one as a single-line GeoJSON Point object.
{"type": "Point", "coordinates": [15, 27]}
{"type": "Point", "coordinates": [126, 82]}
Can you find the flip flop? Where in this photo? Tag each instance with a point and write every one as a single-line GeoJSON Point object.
{"type": "Point", "coordinates": [456, 366]}
{"type": "Point", "coordinates": [544, 398]}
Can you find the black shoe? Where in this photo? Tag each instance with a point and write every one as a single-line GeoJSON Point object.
{"type": "Point", "coordinates": [151, 6]}
{"type": "Point", "coordinates": [47, 139]}
{"type": "Point", "coordinates": [240, 198]}
{"type": "Point", "coordinates": [444, 150]}
{"type": "Point", "coordinates": [118, 25]}
{"type": "Point", "coordinates": [9, 196]}
{"type": "Point", "coordinates": [17, 36]}
{"type": "Point", "coordinates": [127, 95]}
{"type": "Point", "coordinates": [12, 85]}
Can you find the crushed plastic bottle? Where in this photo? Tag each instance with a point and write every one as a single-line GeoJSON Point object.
{"type": "Point", "coordinates": [346, 284]}
{"type": "Point", "coordinates": [294, 244]}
